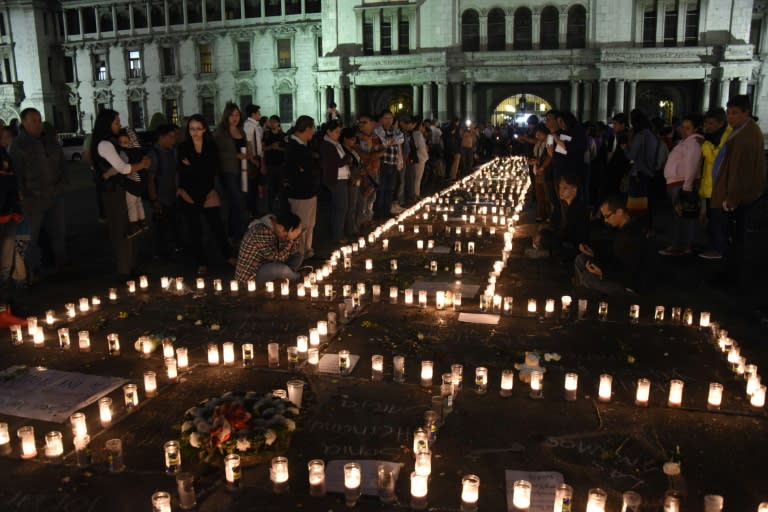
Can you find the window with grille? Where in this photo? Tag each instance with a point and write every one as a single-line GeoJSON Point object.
{"type": "Point", "coordinates": [100, 67]}
{"type": "Point", "coordinates": [576, 34]}
{"type": "Point", "coordinates": [649, 27]}
{"type": "Point", "coordinates": [470, 31]}
{"type": "Point", "coordinates": [252, 8]}
{"type": "Point", "coordinates": [286, 107]}
{"type": "Point", "coordinates": [549, 28]}
{"type": "Point", "coordinates": [134, 64]}
{"type": "Point", "coordinates": [284, 53]}
{"type": "Point", "coordinates": [169, 61]}
{"type": "Point", "coordinates": [670, 28]}
{"type": "Point", "coordinates": [206, 58]}
{"type": "Point", "coordinates": [386, 36]}
{"type": "Point", "coordinates": [403, 34]}
{"type": "Point", "coordinates": [137, 114]}
{"type": "Point", "coordinates": [208, 110]}
{"type": "Point", "coordinates": [69, 69]}
{"type": "Point", "coordinates": [497, 30]}
{"type": "Point", "coordinates": [523, 29]}
{"type": "Point", "coordinates": [692, 26]}
{"type": "Point", "coordinates": [367, 36]}
{"type": "Point", "coordinates": [244, 55]}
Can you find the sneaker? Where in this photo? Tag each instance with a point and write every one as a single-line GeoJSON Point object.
{"type": "Point", "coordinates": [674, 251]}
{"type": "Point", "coordinates": [711, 255]}
{"type": "Point", "coordinates": [396, 208]}
{"type": "Point", "coordinates": [536, 254]}
{"type": "Point", "coordinates": [133, 230]}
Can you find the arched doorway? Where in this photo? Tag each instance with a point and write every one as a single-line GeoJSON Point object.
{"type": "Point", "coordinates": [516, 109]}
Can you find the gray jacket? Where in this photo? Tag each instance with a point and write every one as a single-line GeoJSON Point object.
{"type": "Point", "coordinates": [39, 166]}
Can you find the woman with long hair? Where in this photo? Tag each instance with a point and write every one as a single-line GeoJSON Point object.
{"type": "Point", "coordinates": [336, 178]}
{"type": "Point", "coordinates": [642, 152]}
{"type": "Point", "coordinates": [108, 165]}
{"type": "Point", "coordinates": [198, 164]}
{"type": "Point", "coordinates": [233, 149]}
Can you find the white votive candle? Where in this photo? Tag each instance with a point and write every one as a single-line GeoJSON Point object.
{"type": "Point", "coordinates": [213, 354]}
{"type": "Point", "coordinates": [228, 352]}
{"type": "Point", "coordinates": [604, 391]}
{"type": "Point", "coordinates": [643, 392]}
{"type": "Point", "coordinates": [571, 386]}
{"type": "Point", "coordinates": [675, 393]}
{"type": "Point", "coordinates": [150, 383]}
{"type": "Point", "coordinates": [715, 396]}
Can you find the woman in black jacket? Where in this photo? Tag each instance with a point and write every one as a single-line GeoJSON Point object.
{"type": "Point", "coordinates": [198, 165]}
{"type": "Point", "coordinates": [302, 180]}
{"type": "Point", "coordinates": [336, 177]}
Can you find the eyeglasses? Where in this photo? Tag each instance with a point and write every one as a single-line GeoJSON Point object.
{"type": "Point", "coordinates": [608, 215]}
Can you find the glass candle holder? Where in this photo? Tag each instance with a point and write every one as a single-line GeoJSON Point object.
{"type": "Point", "coordinates": [147, 346]}
{"type": "Point", "coordinates": [563, 498]}
{"type": "Point", "coordinates": [17, 335]}
{"type": "Point", "coordinates": [675, 393]}
{"type": "Point", "coordinates": [757, 400]}
{"type": "Point", "coordinates": [704, 319]}
{"type": "Point", "coordinates": [531, 307]}
{"type": "Point", "coordinates": [84, 341]}
{"type": "Point", "coordinates": [295, 391]}
{"type": "Point", "coordinates": [565, 304]}
{"type": "Point", "coordinates": [456, 301]}
{"type": "Point", "coordinates": [115, 455]}
{"type": "Point", "coordinates": [83, 304]}
{"type": "Point", "coordinates": [521, 494]}
{"type": "Point", "coordinates": [713, 503]}
{"type": "Point", "coordinates": [422, 298]}
{"type": "Point", "coordinates": [385, 484]}
{"type": "Point", "coordinates": [419, 491]}
{"type": "Point", "coordinates": [105, 411]}
{"type": "Point", "coordinates": [285, 289]}
{"type": "Point", "coordinates": [54, 446]}
{"type": "Point", "coordinates": [233, 473]}
{"type": "Point", "coordinates": [658, 314]}
{"type": "Point", "coordinates": [313, 358]}
{"type": "Point", "coordinates": [293, 357]}
{"type": "Point", "coordinates": [171, 370]}
{"type": "Point", "coordinates": [537, 384]}
{"type": "Point", "coordinates": [131, 396]}
{"type": "Point", "coordinates": [420, 441]}
{"type": "Point", "coordinates": [316, 469]}
{"type": "Point", "coordinates": [131, 287]}
{"type": "Point", "coordinates": [218, 286]}
{"type": "Point", "coordinates": [182, 358]}
{"type": "Point", "coordinates": [228, 353]}
{"type": "Point", "coordinates": [643, 392]}
{"type": "Point", "coordinates": [423, 464]}
{"type": "Point", "coordinates": [161, 502]}
{"type": "Point", "coordinates": [79, 426]}
{"type": "Point", "coordinates": [200, 283]}
{"type": "Point", "coordinates": [269, 287]}
{"type": "Point", "coordinates": [69, 311]}
{"type": "Point", "coordinates": [409, 296]}
{"type": "Point", "coordinates": [470, 247]}
{"type": "Point", "coordinates": [344, 362]}
{"type": "Point", "coordinates": [507, 382]}
{"type": "Point", "coordinates": [687, 319]}
{"type": "Point", "coordinates": [596, 500]}
{"type": "Point", "coordinates": [251, 285]}
{"type": "Point", "coordinates": [353, 477]}
{"type": "Point", "coordinates": [470, 493]}
{"type": "Point", "coordinates": [234, 286]}
{"type": "Point", "coordinates": [602, 311]}
{"type": "Point", "coordinates": [172, 457]}
{"type": "Point", "coordinates": [549, 307]}
{"type": "Point", "coordinates": [377, 367]}
{"type": "Point", "coordinates": [39, 337]}
{"type": "Point", "coordinates": [571, 386]}
{"type": "Point", "coordinates": [165, 282]}
{"type": "Point", "coordinates": [167, 348]}
{"type": "Point", "coordinates": [5, 437]}
{"type": "Point", "coordinates": [631, 501]}
{"type": "Point", "coordinates": [248, 354]}
{"type": "Point", "coordinates": [715, 396]}
{"type": "Point", "coordinates": [322, 329]}
{"type": "Point", "coordinates": [213, 354]}
{"type": "Point", "coordinates": [385, 244]}
{"type": "Point", "coordinates": [150, 383]}
{"type": "Point", "coordinates": [634, 314]}
{"type": "Point", "coordinates": [28, 444]}
{"type": "Point", "coordinates": [677, 314]}
{"type": "Point", "coordinates": [113, 344]}
{"type": "Point", "coordinates": [604, 390]}
{"type": "Point", "coordinates": [481, 380]}
{"type": "Point", "coordinates": [398, 372]}
{"type": "Point", "coordinates": [112, 295]}
{"type": "Point", "coordinates": [583, 305]}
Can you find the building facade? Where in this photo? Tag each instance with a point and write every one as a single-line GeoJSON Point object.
{"type": "Point", "coordinates": [480, 60]}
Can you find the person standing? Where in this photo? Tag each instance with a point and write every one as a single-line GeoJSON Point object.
{"type": "Point", "coordinates": [162, 187]}
{"type": "Point", "coordinates": [274, 156]}
{"type": "Point", "coordinates": [336, 177]}
{"type": "Point", "coordinates": [371, 152]}
{"type": "Point", "coordinates": [681, 171]}
{"type": "Point", "coordinates": [391, 162]}
{"type": "Point", "coordinates": [422, 154]}
{"type": "Point", "coordinates": [354, 160]}
{"type": "Point", "coordinates": [716, 133]}
{"type": "Point", "coordinates": [198, 160]}
{"type": "Point", "coordinates": [257, 173]}
{"type": "Point", "coordinates": [739, 179]}
{"type": "Point", "coordinates": [302, 181]}
{"type": "Point", "coordinates": [468, 146]}
{"type": "Point", "coordinates": [10, 216]}
{"type": "Point", "coordinates": [232, 145]}
{"type": "Point", "coordinates": [108, 164]}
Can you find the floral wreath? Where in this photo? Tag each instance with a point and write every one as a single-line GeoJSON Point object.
{"type": "Point", "coordinates": [241, 423]}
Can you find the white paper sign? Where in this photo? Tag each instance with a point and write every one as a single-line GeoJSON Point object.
{"type": "Point", "coordinates": [50, 395]}
{"type": "Point", "coordinates": [479, 318]}
{"type": "Point", "coordinates": [334, 475]}
{"type": "Point", "coordinates": [329, 363]}
{"type": "Point", "coordinates": [544, 484]}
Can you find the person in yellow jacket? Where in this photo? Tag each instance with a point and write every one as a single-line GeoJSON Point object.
{"type": "Point", "coordinates": [716, 133]}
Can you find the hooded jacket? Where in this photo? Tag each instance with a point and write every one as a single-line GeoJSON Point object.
{"type": "Point", "coordinates": [39, 166]}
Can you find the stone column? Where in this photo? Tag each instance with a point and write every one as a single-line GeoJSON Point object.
{"type": "Point", "coordinates": [562, 29]}
{"type": "Point", "coordinates": [536, 28]}
{"type": "Point", "coordinates": [426, 103]}
{"type": "Point", "coordinates": [575, 97]}
{"type": "Point", "coordinates": [681, 12]}
{"type": "Point", "coordinates": [98, 22]}
{"type": "Point", "coordinates": [660, 19]}
{"type": "Point", "coordinates": [470, 102]}
{"type": "Point", "coordinates": [394, 32]}
{"type": "Point", "coordinates": [743, 83]}
{"type": "Point", "coordinates": [376, 32]}
{"type": "Point", "coordinates": [456, 100]}
{"type": "Point", "coordinates": [618, 105]}
{"type": "Point", "coordinates": [483, 33]}
{"type": "Point", "coordinates": [242, 8]}
{"type": "Point", "coordinates": [586, 114]}
{"type": "Point", "coordinates": [509, 33]}
{"type": "Point", "coordinates": [130, 19]}
{"type": "Point", "coordinates": [66, 28]}
{"type": "Point", "coordinates": [602, 101]}
{"type": "Point", "coordinates": [632, 95]}
{"type": "Point", "coordinates": [80, 21]}
{"type": "Point", "coordinates": [725, 91]}
{"type": "Point", "coordinates": [323, 104]}
{"type": "Point", "coordinates": [114, 19]}
{"type": "Point", "coordinates": [706, 93]}
{"type": "Point", "coordinates": [442, 101]}
{"type": "Point", "coordinates": [558, 98]}
{"type": "Point", "coordinates": [415, 90]}
{"type": "Point", "coordinates": [352, 103]}
{"type": "Point", "coordinates": [148, 9]}
{"type": "Point", "coordinates": [205, 11]}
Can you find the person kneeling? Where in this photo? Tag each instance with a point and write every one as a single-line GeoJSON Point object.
{"type": "Point", "coordinates": [269, 251]}
{"type": "Point", "coordinates": [625, 267]}
{"type": "Point", "coordinates": [569, 224]}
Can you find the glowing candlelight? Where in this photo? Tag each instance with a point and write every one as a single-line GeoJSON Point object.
{"type": "Point", "coordinates": [112, 294]}
{"type": "Point", "coordinates": [440, 300]}
{"type": "Point", "coordinates": [604, 391]}
{"type": "Point", "coordinates": [531, 306]}
{"type": "Point", "coordinates": [398, 374]}
{"type": "Point", "coordinates": [131, 287]}
{"type": "Point", "coordinates": [39, 337]}
{"type": "Point", "coordinates": [422, 298]}
{"type": "Point", "coordinates": [269, 286]}
{"type": "Point", "coordinates": [28, 444]}
{"type": "Point", "coordinates": [757, 400]}
{"type": "Point", "coordinates": [316, 469]}
{"type": "Point", "coordinates": [179, 283]}
{"type": "Point", "coordinates": [419, 245]}
{"type": "Point", "coordinates": [64, 341]}
{"type": "Point", "coordinates": [377, 367]}
{"type": "Point", "coordinates": [251, 286]}
{"type": "Point", "coordinates": [131, 396]}
{"type": "Point", "coordinates": [481, 380]}
{"type": "Point", "coordinates": [369, 265]}
{"type": "Point", "coordinates": [385, 244]}
{"type": "Point", "coordinates": [521, 494]}
{"type": "Point", "coordinates": [213, 354]}
{"type": "Point", "coordinates": [470, 492]}
{"type": "Point", "coordinates": [715, 396]}
{"type": "Point", "coordinates": [602, 311]}
{"type": "Point", "coordinates": [419, 491]}
{"type": "Point", "coordinates": [69, 309]}
{"type": "Point", "coordinates": [596, 501]}
{"type": "Point", "coordinates": [234, 286]}
{"type": "Point", "coordinates": [571, 386]}
{"type": "Point", "coordinates": [507, 382]}
{"type": "Point", "coordinates": [426, 373]}
{"type": "Point", "coordinates": [150, 383]}
{"type": "Point", "coordinates": [232, 472]}
{"type": "Point", "coordinates": [79, 426]}
{"type": "Point", "coordinates": [170, 368]}
{"type": "Point", "coordinates": [84, 304]}
{"type": "Point", "coordinates": [182, 358]}
{"type": "Point", "coordinates": [285, 289]}
{"type": "Point", "coordinates": [643, 392]}
{"type": "Point", "coordinates": [423, 464]}
{"type": "Point", "coordinates": [352, 480]}
{"type": "Point", "coordinates": [228, 352]}
{"type": "Point", "coordinates": [84, 341]}
{"type": "Point", "coordinates": [675, 393]}
{"type": "Point", "coordinates": [165, 282]}
{"type": "Point", "coordinates": [218, 286]}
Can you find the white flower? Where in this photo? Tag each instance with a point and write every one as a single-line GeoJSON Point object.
{"type": "Point", "coordinates": [198, 322]}
{"type": "Point", "coordinates": [243, 444]}
{"type": "Point", "coordinates": [179, 317]}
{"type": "Point", "coordinates": [194, 440]}
{"type": "Point", "coordinates": [215, 327]}
{"type": "Point", "coordinates": [202, 426]}
{"type": "Point", "coordinates": [269, 437]}
{"type": "Point", "coordinates": [187, 425]}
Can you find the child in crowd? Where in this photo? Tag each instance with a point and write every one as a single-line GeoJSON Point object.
{"type": "Point", "coordinates": [131, 152]}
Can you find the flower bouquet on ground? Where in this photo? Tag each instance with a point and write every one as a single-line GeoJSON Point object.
{"type": "Point", "coordinates": [243, 423]}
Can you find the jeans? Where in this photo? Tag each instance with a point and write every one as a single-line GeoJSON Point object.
{"type": "Point", "coordinates": [51, 214]}
{"type": "Point", "coordinates": [278, 271]}
{"type": "Point", "coordinates": [339, 206]}
{"type": "Point", "coordinates": [416, 176]}
{"type": "Point", "coordinates": [405, 188]}
{"type": "Point", "coordinates": [683, 228]}
{"type": "Point", "coordinates": [192, 214]}
{"type": "Point", "coordinates": [167, 228]}
{"type": "Point", "coordinates": [237, 214]}
{"type": "Point", "coordinates": [387, 175]}
{"type": "Point", "coordinates": [589, 280]}
{"type": "Point", "coordinates": [7, 249]}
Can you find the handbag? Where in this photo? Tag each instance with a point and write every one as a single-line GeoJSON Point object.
{"type": "Point", "coordinates": [637, 199]}
{"type": "Point", "coordinates": [687, 204]}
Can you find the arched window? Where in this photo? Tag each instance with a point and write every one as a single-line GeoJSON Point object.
{"type": "Point", "coordinates": [470, 31]}
{"type": "Point", "coordinates": [497, 31]}
{"type": "Point", "coordinates": [577, 27]}
{"type": "Point", "coordinates": [523, 29]}
{"type": "Point", "coordinates": [549, 28]}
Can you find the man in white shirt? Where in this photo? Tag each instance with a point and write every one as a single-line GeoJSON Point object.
{"type": "Point", "coordinates": [254, 136]}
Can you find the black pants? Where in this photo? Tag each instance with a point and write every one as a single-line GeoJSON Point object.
{"type": "Point", "coordinates": [193, 214]}
{"type": "Point", "coordinates": [124, 251]}
{"type": "Point", "coordinates": [168, 227]}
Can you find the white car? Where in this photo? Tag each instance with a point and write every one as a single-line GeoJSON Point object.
{"type": "Point", "coordinates": [73, 148]}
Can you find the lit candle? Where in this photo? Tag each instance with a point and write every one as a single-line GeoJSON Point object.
{"type": "Point", "coordinates": [420, 441]}
{"type": "Point", "coordinates": [377, 367]}
{"type": "Point", "coordinates": [565, 302]}
{"type": "Point", "coordinates": [675, 393]}
{"type": "Point", "coordinates": [426, 373]}
{"type": "Point", "coordinates": [632, 501]}
{"type": "Point", "coordinates": [470, 492]}
{"type": "Point", "coordinates": [634, 314]}
{"type": "Point", "coordinates": [302, 345]}
{"type": "Point", "coordinates": [458, 270]}
{"type": "Point", "coordinates": [713, 503]}
{"type": "Point", "coordinates": [170, 368]}
{"type": "Point", "coordinates": [217, 285]}
{"type": "Point", "coordinates": [418, 491]}
{"type": "Point", "coordinates": [571, 386]}
{"type": "Point", "coordinates": [676, 314]}
{"type": "Point", "coordinates": [172, 457]}
{"type": "Point", "coordinates": [385, 244]}
{"type": "Point", "coordinates": [521, 494]}
{"type": "Point", "coordinates": [549, 306]}
{"type": "Point", "coordinates": [322, 329]}
{"type": "Point", "coordinates": [182, 358]}
{"type": "Point", "coordinates": [269, 286]}
{"type": "Point", "coordinates": [704, 319]}
{"type": "Point", "coordinates": [17, 334]}
{"type": "Point", "coordinates": [602, 311]}
{"type": "Point", "coordinates": [167, 348]}
{"type": "Point", "coordinates": [251, 286]}
{"type": "Point", "coordinates": [481, 380]}
{"type": "Point", "coordinates": [563, 498]}
{"type": "Point", "coordinates": [54, 447]}
{"type": "Point", "coordinates": [247, 355]}
{"type": "Point", "coordinates": [352, 480]}
{"type": "Point", "coordinates": [688, 317]}
{"type": "Point", "coordinates": [423, 298]}
{"type": "Point", "coordinates": [507, 382]}
{"type": "Point", "coordinates": [232, 471]}
{"type": "Point", "coordinates": [213, 354]}
{"type": "Point", "coordinates": [150, 383]}
{"type": "Point", "coordinates": [376, 292]}
{"type": "Point", "coordinates": [753, 382]}
{"type": "Point", "coordinates": [69, 308]}
{"type": "Point", "coordinates": [583, 304]}
{"type": "Point", "coordinates": [228, 352]}
{"type": "Point", "coordinates": [313, 357]}
{"type": "Point", "coordinates": [179, 284]}
{"type": "Point", "coordinates": [64, 341]}
{"type": "Point", "coordinates": [715, 397]}
{"type": "Point", "coordinates": [344, 363]}
{"type": "Point", "coordinates": [604, 391]}
{"type": "Point", "coordinates": [95, 301]}
{"type": "Point", "coordinates": [28, 444]}
{"type": "Point", "coordinates": [423, 464]}
{"type": "Point", "coordinates": [420, 245]}
{"type": "Point", "coordinates": [416, 229]}
{"type": "Point", "coordinates": [369, 265]}
{"type": "Point", "coordinates": [643, 392]}
{"type": "Point", "coordinates": [537, 384]}
{"type": "Point", "coordinates": [316, 469]}
{"type": "Point", "coordinates": [400, 228]}
{"type": "Point", "coordinates": [531, 306]}
{"type": "Point", "coordinates": [234, 286]}
{"type": "Point", "coordinates": [112, 295]}
{"type": "Point", "coordinates": [84, 341]}
{"type": "Point", "coordinates": [39, 338]}
{"type": "Point", "coordinates": [105, 411]}
{"type": "Point", "coordinates": [398, 374]}
{"type": "Point", "coordinates": [758, 398]}
{"type": "Point", "coordinates": [347, 263]}
{"type": "Point", "coordinates": [79, 426]}
{"type": "Point", "coordinates": [49, 317]}
{"type": "Point", "coordinates": [596, 500]}
{"type": "Point", "coordinates": [457, 247]}
{"type": "Point", "coordinates": [285, 289]}
{"type": "Point", "coordinates": [440, 300]}
{"type": "Point", "coordinates": [409, 296]}
{"type": "Point", "coordinates": [165, 282]}
{"type": "Point", "coordinates": [143, 282]}
{"type": "Point", "coordinates": [131, 287]}
{"type": "Point", "coordinates": [131, 396]}
{"type": "Point", "coordinates": [456, 301]}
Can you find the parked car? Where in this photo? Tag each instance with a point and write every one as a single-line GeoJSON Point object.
{"type": "Point", "coordinates": [72, 147]}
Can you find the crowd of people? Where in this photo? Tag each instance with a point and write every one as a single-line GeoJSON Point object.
{"type": "Point", "coordinates": [256, 187]}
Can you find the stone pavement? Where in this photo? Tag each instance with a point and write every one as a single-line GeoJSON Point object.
{"type": "Point", "coordinates": [614, 445]}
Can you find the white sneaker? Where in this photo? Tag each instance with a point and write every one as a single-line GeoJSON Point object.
{"type": "Point", "coordinates": [396, 208]}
